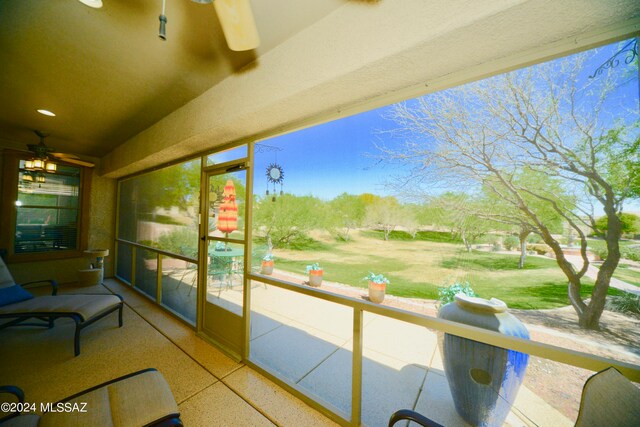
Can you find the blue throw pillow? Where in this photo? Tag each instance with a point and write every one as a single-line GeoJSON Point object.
{"type": "Point", "coordinates": [11, 294]}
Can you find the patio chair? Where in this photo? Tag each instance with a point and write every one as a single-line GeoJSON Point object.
{"type": "Point", "coordinates": [608, 399]}
{"type": "Point", "coordinates": [19, 306]}
{"type": "Point", "coordinates": [409, 415]}
{"type": "Point", "coordinates": [142, 398]}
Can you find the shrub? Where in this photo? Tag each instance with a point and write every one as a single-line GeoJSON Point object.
{"type": "Point", "coordinates": [625, 303]}
{"type": "Point", "coordinates": [539, 248]}
{"type": "Point", "coordinates": [181, 241]}
{"type": "Point", "coordinates": [148, 254]}
{"type": "Point", "coordinates": [447, 294]}
{"type": "Point", "coordinates": [534, 238]}
{"type": "Point", "coordinates": [626, 252]}
{"type": "Point", "coordinates": [511, 243]}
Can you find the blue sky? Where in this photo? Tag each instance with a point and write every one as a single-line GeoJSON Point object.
{"type": "Point", "coordinates": [329, 159]}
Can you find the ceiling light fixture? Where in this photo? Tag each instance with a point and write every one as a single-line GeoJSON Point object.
{"type": "Point", "coordinates": [96, 4]}
{"type": "Point", "coordinates": [46, 112]}
{"type": "Point", "coordinates": [40, 162]}
{"type": "Point", "coordinates": [236, 19]}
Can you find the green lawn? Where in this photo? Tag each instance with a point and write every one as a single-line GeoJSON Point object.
{"type": "Point", "coordinates": [428, 236]}
{"type": "Point", "coordinates": [417, 268]}
{"type": "Point", "coordinates": [627, 275]}
{"type": "Point", "coordinates": [351, 273]}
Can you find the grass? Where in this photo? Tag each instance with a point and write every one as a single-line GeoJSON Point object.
{"type": "Point", "coordinates": [628, 248]}
{"type": "Point", "coordinates": [599, 244]}
{"type": "Point", "coordinates": [352, 273]}
{"type": "Point", "coordinates": [489, 261]}
{"type": "Point", "coordinates": [424, 236]}
{"type": "Point", "coordinates": [627, 275]}
{"type": "Point", "coordinates": [417, 269]}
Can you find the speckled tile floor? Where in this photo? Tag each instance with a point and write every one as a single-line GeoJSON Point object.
{"type": "Point", "coordinates": [211, 389]}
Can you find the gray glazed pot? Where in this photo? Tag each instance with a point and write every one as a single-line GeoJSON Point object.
{"type": "Point", "coordinates": [483, 379]}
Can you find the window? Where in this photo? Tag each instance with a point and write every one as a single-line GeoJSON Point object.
{"type": "Point", "coordinates": [159, 209]}
{"type": "Point", "coordinates": [45, 210]}
{"type": "Point", "coordinates": [158, 235]}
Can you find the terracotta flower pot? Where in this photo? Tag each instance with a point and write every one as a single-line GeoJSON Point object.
{"type": "Point", "coordinates": [315, 278]}
{"type": "Point", "coordinates": [377, 291]}
{"type": "Point", "coordinates": [267, 268]}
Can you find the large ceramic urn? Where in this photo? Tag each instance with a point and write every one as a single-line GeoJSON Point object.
{"type": "Point", "coordinates": [483, 379]}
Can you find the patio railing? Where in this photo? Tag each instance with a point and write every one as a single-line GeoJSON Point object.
{"type": "Point", "coordinates": [360, 307]}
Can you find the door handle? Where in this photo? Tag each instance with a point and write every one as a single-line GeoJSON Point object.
{"type": "Point", "coordinates": [203, 238]}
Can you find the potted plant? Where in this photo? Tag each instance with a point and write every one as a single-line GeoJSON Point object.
{"type": "Point", "coordinates": [267, 265]}
{"type": "Point", "coordinates": [377, 287]}
{"type": "Point", "coordinates": [315, 273]}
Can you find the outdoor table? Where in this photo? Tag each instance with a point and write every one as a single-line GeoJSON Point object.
{"type": "Point", "coordinates": [226, 255]}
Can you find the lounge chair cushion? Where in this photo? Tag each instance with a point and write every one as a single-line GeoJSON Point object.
{"type": "Point", "coordinates": [87, 306]}
{"type": "Point", "coordinates": [135, 401]}
{"type": "Point", "coordinates": [13, 294]}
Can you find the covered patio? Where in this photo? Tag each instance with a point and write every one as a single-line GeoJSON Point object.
{"type": "Point", "coordinates": [143, 128]}
{"type": "Point", "coordinates": [402, 367]}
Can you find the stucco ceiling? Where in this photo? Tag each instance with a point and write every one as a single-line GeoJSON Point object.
{"type": "Point", "coordinates": [369, 53]}
{"type": "Point", "coordinates": [105, 72]}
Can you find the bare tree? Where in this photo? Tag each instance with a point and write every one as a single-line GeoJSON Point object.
{"type": "Point", "coordinates": [549, 119]}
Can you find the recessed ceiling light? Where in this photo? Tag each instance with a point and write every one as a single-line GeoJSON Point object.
{"type": "Point", "coordinates": [96, 4]}
{"type": "Point", "coordinates": [46, 112]}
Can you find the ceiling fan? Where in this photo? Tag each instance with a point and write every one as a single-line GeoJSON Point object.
{"type": "Point", "coordinates": [42, 152]}
{"type": "Point", "coordinates": [235, 17]}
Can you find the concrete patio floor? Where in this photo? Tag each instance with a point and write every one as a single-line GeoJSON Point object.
{"type": "Point", "coordinates": [308, 342]}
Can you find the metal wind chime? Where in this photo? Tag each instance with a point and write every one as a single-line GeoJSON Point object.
{"type": "Point", "coordinates": [275, 172]}
{"type": "Point", "coordinates": [275, 175]}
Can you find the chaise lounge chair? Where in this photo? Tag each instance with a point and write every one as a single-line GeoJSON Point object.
{"type": "Point", "coordinates": [18, 305]}
{"type": "Point", "coordinates": [142, 398]}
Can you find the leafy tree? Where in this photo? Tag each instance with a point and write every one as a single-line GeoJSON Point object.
{"type": "Point", "coordinates": [408, 219]}
{"type": "Point", "coordinates": [629, 223]}
{"type": "Point", "coordinates": [383, 214]}
{"type": "Point", "coordinates": [549, 119]}
{"type": "Point", "coordinates": [174, 186]}
{"type": "Point", "coordinates": [344, 213]}
{"type": "Point", "coordinates": [177, 185]}
{"type": "Point", "coordinates": [288, 218]}
{"type": "Point", "coordinates": [427, 214]}
{"type": "Point", "coordinates": [460, 213]}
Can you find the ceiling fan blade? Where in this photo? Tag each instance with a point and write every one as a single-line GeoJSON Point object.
{"type": "Point", "coordinates": [238, 24]}
{"type": "Point", "coordinates": [73, 159]}
{"type": "Point", "coordinates": [65, 156]}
